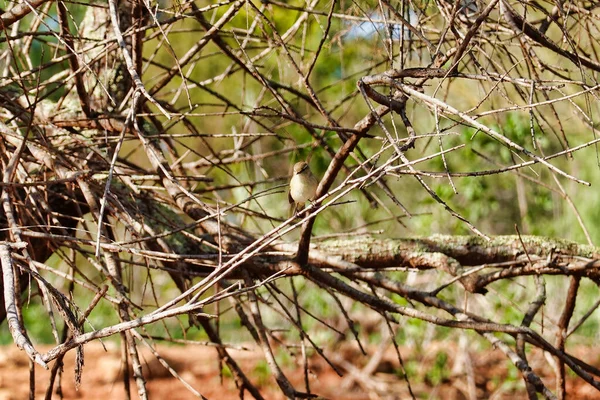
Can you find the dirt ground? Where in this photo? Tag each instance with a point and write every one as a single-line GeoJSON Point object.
{"type": "Point", "coordinates": [198, 366]}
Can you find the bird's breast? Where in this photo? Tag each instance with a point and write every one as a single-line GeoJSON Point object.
{"type": "Point", "coordinates": [302, 188]}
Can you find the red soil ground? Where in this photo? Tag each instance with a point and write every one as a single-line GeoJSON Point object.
{"type": "Point", "coordinates": [102, 378]}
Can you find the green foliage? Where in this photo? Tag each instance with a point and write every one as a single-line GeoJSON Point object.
{"type": "Point", "coordinates": [226, 372]}
{"type": "Point", "coordinates": [439, 371]}
{"type": "Point", "coordinates": [434, 372]}
{"type": "Point", "coordinates": [38, 328]}
{"type": "Point", "coordinates": [261, 372]}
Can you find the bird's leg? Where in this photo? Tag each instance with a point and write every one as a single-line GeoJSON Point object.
{"type": "Point", "coordinates": [299, 210]}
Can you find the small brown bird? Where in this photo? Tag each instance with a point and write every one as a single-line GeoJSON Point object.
{"type": "Point", "coordinates": [303, 186]}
